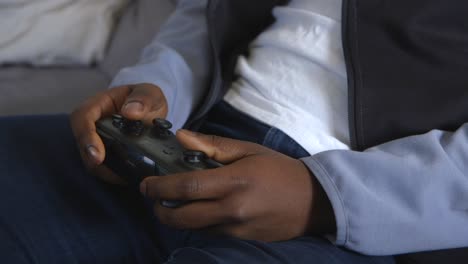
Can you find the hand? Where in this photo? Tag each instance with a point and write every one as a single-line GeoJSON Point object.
{"type": "Point", "coordinates": [138, 102]}
{"type": "Point", "coordinates": [259, 194]}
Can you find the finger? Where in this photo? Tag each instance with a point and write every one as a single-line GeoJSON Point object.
{"type": "Point", "coordinates": [145, 102]}
{"type": "Point", "coordinates": [196, 185]}
{"type": "Point", "coordinates": [83, 122]}
{"type": "Point", "coordinates": [224, 150]}
{"type": "Point", "coordinates": [196, 215]}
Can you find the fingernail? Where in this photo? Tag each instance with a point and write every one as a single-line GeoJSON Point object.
{"type": "Point", "coordinates": [92, 152]}
{"type": "Point", "coordinates": [134, 106]}
{"type": "Point", "coordinates": [143, 188]}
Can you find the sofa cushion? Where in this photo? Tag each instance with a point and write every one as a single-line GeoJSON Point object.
{"type": "Point", "coordinates": [41, 91]}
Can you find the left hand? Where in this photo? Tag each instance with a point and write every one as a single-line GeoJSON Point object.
{"type": "Point", "coordinates": [260, 194]}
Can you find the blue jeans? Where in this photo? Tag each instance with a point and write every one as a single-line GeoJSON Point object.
{"type": "Point", "coordinates": [53, 211]}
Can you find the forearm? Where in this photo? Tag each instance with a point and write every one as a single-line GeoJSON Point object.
{"type": "Point", "coordinates": [177, 60]}
{"type": "Point", "coordinates": [404, 196]}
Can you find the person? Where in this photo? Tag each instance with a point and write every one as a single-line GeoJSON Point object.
{"type": "Point", "coordinates": [295, 173]}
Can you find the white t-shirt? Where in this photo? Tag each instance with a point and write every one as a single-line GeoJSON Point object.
{"type": "Point", "coordinates": [295, 76]}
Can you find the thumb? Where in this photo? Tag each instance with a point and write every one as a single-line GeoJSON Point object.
{"type": "Point", "coordinates": [224, 150]}
{"type": "Point", "coordinates": [145, 102]}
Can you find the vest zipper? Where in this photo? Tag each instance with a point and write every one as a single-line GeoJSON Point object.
{"type": "Point", "coordinates": [347, 37]}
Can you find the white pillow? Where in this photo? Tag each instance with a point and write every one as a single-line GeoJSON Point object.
{"type": "Point", "coordinates": [56, 32]}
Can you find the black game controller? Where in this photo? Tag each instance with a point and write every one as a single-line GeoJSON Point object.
{"type": "Point", "coordinates": [135, 151]}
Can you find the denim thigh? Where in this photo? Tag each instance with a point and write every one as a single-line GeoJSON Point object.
{"type": "Point", "coordinates": [53, 211]}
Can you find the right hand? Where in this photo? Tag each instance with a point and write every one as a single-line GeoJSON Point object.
{"type": "Point", "coordinates": [137, 102]}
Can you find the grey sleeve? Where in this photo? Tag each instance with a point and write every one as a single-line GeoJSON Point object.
{"type": "Point", "coordinates": [407, 195]}
{"type": "Point", "coordinates": [178, 60]}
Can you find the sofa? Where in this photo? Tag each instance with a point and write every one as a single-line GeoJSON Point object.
{"type": "Point", "coordinates": [29, 90]}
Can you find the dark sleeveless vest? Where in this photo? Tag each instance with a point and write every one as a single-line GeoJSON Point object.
{"type": "Point", "coordinates": [407, 62]}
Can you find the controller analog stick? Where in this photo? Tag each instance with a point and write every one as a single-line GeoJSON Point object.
{"type": "Point", "coordinates": [162, 126]}
{"type": "Point", "coordinates": [162, 123]}
{"type": "Point", "coordinates": [117, 121]}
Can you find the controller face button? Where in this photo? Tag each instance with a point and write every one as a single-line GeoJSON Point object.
{"type": "Point", "coordinates": [193, 156]}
